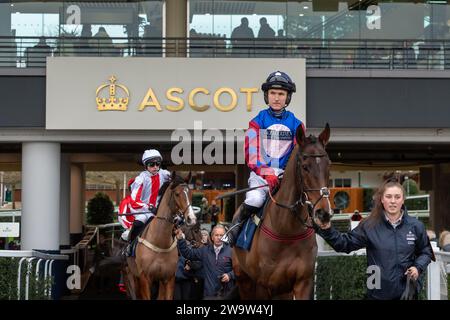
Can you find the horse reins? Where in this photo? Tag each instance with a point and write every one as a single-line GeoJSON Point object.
{"type": "Point", "coordinates": [180, 213]}
{"type": "Point", "coordinates": [324, 193]}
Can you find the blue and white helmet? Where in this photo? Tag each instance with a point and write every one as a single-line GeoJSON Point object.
{"type": "Point", "coordinates": [151, 155]}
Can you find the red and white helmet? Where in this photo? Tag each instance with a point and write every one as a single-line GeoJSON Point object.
{"type": "Point", "coordinates": [151, 155]}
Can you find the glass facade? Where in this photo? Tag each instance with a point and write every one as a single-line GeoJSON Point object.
{"type": "Point", "coordinates": [322, 19]}
{"type": "Point", "coordinates": [64, 18]}
{"type": "Point", "coordinates": [329, 33]}
{"type": "Point", "coordinates": [108, 28]}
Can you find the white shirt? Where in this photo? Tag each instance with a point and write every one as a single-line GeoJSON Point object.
{"type": "Point", "coordinates": [395, 223]}
{"type": "Point", "coordinates": [217, 250]}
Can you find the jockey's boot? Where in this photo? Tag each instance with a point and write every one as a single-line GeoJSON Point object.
{"type": "Point", "coordinates": [134, 232]}
{"type": "Point", "coordinates": [245, 212]}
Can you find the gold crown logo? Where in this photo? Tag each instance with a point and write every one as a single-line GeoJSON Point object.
{"type": "Point", "coordinates": [112, 103]}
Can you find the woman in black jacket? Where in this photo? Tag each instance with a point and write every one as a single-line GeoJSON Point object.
{"type": "Point", "coordinates": [397, 244]}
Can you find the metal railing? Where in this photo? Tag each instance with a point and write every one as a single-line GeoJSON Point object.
{"type": "Point", "coordinates": [28, 257]}
{"type": "Point", "coordinates": [27, 52]}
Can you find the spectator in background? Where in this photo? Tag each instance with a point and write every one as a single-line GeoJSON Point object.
{"type": "Point", "coordinates": [431, 235]}
{"type": "Point", "coordinates": [205, 237]}
{"type": "Point", "coordinates": [188, 280]}
{"type": "Point", "coordinates": [265, 31]}
{"type": "Point", "coordinates": [444, 241]}
{"type": "Point", "coordinates": [216, 259]}
{"type": "Point", "coordinates": [355, 219]}
{"type": "Point", "coordinates": [213, 212]}
{"type": "Point", "coordinates": [36, 56]}
{"type": "Point", "coordinates": [243, 31]}
{"type": "Point", "coordinates": [356, 216]}
{"type": "Point", "coordinates": [204, 211]}
{"type": "Point", "coordinates": [103, 43]}
{"type": "Point", "coordinates": [280, 34]}
{"type": "Point", "coordinates": [82, 45]}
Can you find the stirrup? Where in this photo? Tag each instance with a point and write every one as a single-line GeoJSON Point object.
{"type": "Point", "coordinates": [129, 250]}
{"type": "Point", "coordinates": [225, 237]}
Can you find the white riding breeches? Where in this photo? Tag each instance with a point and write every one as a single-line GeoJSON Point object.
{"type": "Point", "coordinates": [125, 235]}
{"type": "Point", "coordinates": [143, 217]}
{"type": "Point", "coordinates": [256, 197]}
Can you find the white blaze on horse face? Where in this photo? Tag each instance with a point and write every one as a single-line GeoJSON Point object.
{"type": "Point", "coordinates": [192, 219]}
{"type": "Point", "coordinates": [318, 160]}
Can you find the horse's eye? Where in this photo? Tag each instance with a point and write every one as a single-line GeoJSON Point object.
{"type": "Point", "coordinates": [305, 167]}
{"type": "Point", "coordinates": [177, 194]}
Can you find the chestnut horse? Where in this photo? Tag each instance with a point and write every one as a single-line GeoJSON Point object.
{"type": "Point", "coordinates": [280, 263]}
{"type": "Point", "coordinates": [156, 251]}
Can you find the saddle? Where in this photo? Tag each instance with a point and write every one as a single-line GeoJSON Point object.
{"type": "Point", "coordinates": [130, 250]}
{"type": "Point", "coordinates": [245, 237]}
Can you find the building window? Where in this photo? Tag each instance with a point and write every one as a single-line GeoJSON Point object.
{"type": "Point", "coordinates": [342, 183]}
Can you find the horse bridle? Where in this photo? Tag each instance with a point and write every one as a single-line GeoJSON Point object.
{"type": "Point", "coordinates": [304, 200]}
{"type": "Point", "coordinates": [179, 212]}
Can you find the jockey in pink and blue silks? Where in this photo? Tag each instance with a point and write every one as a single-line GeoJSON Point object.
{"type": "Point", "coordinates": [269, 142]}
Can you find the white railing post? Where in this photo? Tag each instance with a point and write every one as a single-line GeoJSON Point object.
{"type": "Point", "coordinates": [27, 277]}
{"type": "Point", "coordinates": [45, 275]}
{"type": "Point", "coordinates": [37, 274]}
{"type": "Point", "coordinates": [50, 275]}
{"type": "Point", "coordinates": [434, 277]}
{"type": "Point", "coordinates": [434, 281]}
{"type": "Point", "coordinates": [19, 271]}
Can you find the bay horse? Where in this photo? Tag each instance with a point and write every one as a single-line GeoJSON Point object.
{"type": "Point", "coordinates": [193, 234]}
{"type": "Point", "coordinates": [281, 260]}
{"type": "Point", "coordinates": [156, 251]}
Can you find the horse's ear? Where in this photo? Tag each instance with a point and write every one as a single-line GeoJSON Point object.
{"type": "Point", "coordinates": [300, 135]}
{"type": "Point", "coordinates": [324, 136]}
{"type": "Point", "coordinates": [173, 175]}
{"type": "Point", "coordinates": [188, 178]}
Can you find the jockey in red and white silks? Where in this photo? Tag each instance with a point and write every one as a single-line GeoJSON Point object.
{"type": "Point", "coordinates": [145, 188]}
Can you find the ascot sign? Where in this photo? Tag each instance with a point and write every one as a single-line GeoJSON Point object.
{"type": "Point", "coordinates": [106, 93]}
{"type": "Point", "coordinates": [118, 99]}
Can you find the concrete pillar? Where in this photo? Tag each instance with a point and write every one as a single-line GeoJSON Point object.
{"type": "Point", "coordinates": [440, 198]}
{"type": "Point", "coordinates": [40, 195]}
{"type": "Point", "coordinates": [77, 179]}
{"type": "Point", "coordinates": [64, 203]}
{"type": "Point", "coordinates": [176, 26]}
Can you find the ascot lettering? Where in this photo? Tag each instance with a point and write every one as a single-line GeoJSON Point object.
{"type": "Point", "coordinates": [175, 95]}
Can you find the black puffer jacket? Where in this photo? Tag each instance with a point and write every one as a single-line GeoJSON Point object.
{"type": "Point", "coordinates": [393, 250]}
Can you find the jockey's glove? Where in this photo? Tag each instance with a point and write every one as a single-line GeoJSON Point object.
{"type": "Point", "coordinates": [272, 181]}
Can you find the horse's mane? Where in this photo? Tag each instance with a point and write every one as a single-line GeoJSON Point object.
{"type": "Point", "coordinates": [176, 181]}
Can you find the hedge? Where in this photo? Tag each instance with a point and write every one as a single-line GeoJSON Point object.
{"type": "Point", "coordinates": [100, 209]}
{"type": "Point", "coordinates": [8, 280]}
{"type": "Point", "coordinates": [344, 278]}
